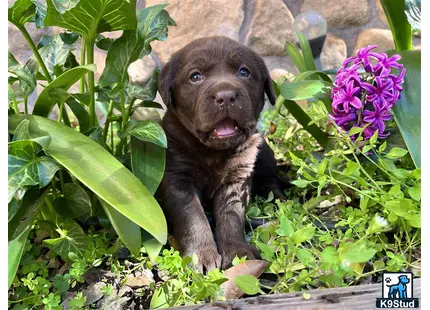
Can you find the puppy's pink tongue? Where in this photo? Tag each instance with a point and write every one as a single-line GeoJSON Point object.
{"type": "Point", "coordinates": [225, 128]}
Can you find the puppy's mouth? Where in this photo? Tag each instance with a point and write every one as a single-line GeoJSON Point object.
{"type": "Point", "coordinates": [225, 129]}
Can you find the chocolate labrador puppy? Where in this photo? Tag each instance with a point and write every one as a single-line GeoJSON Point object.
{"type": "Point", "coordinates": [214, 90]}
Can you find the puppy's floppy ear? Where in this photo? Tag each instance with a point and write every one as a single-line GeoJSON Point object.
{"type": "Point", "coordinates": [165, 83]}
{"type": "Point", "coordinates": [268, 86]}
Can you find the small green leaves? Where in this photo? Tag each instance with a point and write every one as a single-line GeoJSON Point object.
{"type": "Point", "coordinates": [148, 131]}
{"type": "Point", "coordinates": [301, 183]}
{"type": "Point", "coordinates": [285, 227]}
{"type": "Point", "coordinates": [303, 234]}
{"type": "Point", "coordinates": [415, 192]}
{"type": "Point", "coordinates": [396, 152]}
{"type": "Point", "coordinates": [248, 284]}
{"type": "Point", "coordinates": [72, 239]}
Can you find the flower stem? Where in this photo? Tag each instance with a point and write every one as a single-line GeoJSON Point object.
{"type": "Point", "coordinates": [35, 52]}
{"type": "Point", "coordinates": [90, 60]}
{"type": "Point", "coordinates": [106, 127]}
{"type": "Point", "coordinates": [83, 81]}
{"type": "Point", "coordinates": [26, 105]}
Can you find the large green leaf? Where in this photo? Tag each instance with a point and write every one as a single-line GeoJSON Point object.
{"type": "Point", "coordinates": [25, 76]}
{"type": "Point", "coordinates": [127, 230]}
{"type": "Point", "coordinates": [407, 111]}
{"type": "Point", "coordinates": [301, 90]}
{"type": "Point", "coordinates": [39, 16]}
{"type": "Point", "coordinates": [72, 239]}
{"type": "Point", "coordinates": [21, 12]}
{"type": "Point", "coordinates": [400, 28]}
{"type": "Point", "coordinates": [99, 171]}
{"type": "Point", "coordinates": [413, 13]}
{"type": "Point", "coordinates": [26, 169]}
{"type": "Point", "coordinates": [89, 17]}
{"type": "Point", "coordinates": [149, 131]}
{"type": "Point", "coordinates": [146, 92]}
{"type": "Point", "coordinates": [19, 227]}
{"type": "Point", "coordinates": [133, 44]}
{"type": "Point", "coordinates": [147, 163]}
{"type": "Point", "coordinates": [43, 105]}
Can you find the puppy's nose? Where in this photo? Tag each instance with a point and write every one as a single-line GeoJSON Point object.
{"type": "Point", "coordinates": [225, 97]}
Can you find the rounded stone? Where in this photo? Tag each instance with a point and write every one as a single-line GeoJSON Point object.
{"type": "Point", "coordinates": [197, 19]}
{"type": "Point", "coordinates": [340, 14]}
{"type": "Point", "coordinates": [270, 28]}
{"type": "Point", "coordinates": [380, 37]}
{"type": "Point", "coordinates": [334, 52]}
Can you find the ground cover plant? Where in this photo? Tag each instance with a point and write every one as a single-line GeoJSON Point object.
{"type": "Point", "coordinates": [84, 229]}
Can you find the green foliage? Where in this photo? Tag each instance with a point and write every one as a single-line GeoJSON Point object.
{"type": "Point", "coordinates": [399, 25]}
{"type": "Point", "coordinates": [83, 173]}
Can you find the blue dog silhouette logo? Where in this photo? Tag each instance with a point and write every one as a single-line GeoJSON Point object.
{"type": "Point", "coordinates": [399, 290]}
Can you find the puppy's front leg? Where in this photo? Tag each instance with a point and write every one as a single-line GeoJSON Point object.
{"type": "Point", "coordinates": [229, 212]}
{"type": "Point", "coordinates": [190, 224]}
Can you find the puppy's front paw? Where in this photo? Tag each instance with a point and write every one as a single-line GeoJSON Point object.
{"type": "Point", "coordinates": [231, 250]}
{"type": "Point", "coordinates": [208, 258]}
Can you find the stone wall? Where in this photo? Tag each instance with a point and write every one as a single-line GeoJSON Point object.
{"type": "Point", "coordinates": [264, 25]}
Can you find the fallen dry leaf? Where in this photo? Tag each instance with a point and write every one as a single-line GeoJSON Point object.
{"type": "Point", "coordinates": [249, 267]}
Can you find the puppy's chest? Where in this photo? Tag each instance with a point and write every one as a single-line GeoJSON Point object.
{"type": "Point", "coordinates": [235, 169]}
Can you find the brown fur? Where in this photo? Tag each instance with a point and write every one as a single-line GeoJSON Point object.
{"type": "Point", "coordinates": [201, 168]}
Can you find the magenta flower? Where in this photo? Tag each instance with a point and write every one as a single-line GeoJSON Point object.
{"type": "Point", "coordinates": [363, 94]}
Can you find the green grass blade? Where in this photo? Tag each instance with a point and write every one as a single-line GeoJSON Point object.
{"type": "Point", "coordinates": [296, 57]}
{"type": "Point", "coordinates": [400, 28]}
{"type": "Point", "coordinates": [307, 52]}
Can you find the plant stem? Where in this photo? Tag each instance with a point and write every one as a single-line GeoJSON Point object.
{"type": "Point", "coordinates": [106, 127]}
{"type": "Point", "coordinates": [90, 60]}
{"type": "Point", "coordinates": [83, 81]}
{"type": "Point", "coordinates": [111, 137]}
{"type": "Point", "coordinates": [60, 113]}
{"type": "Point", "coordinates": [26, 105]}
{"type": "Point", "coordinates": [61, 180]}
{"type": "Point", "coordinates": [35, 52]}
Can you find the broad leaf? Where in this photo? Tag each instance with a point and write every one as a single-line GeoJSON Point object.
{"type": "Point", "coordinates": [89, 17]}
{"type": "Point", "coordinates": [152, 25]}
{"type": "Point", "coordinates": [407, 110]}
{"type": "Point", "coordinates": [147, 163]}
{"type": "Point", "coordinates": [413, 13]}
{"type": "Point", "coordinates": [301, 90]}
{"type": "Point", "coordinates": [248, 284]}
{"type": "Point", "coordinates": [54, 52]}
{"type": "Point", "coordinates": [74, 202]}
{"type": "Point", "coordinates": [19, 227]}
{"type": "Point", "coordinates": [13, 207]}
{"type": "Point", "coordinates": [285, 227]}
{"type": "Point", "coordinates": [303, 234]}
{"type": "Point", "coordinates": [72, 239]}
{"type": "Point", "coordinates": [151, 245]}
{"type": "Point", "coordinates": [127, 230]}
{"type": "Point", "coordinates": [399, 25]}
{"type": "Point", "coordinates": [26, 169]}
{"type": "Point", "coordinates": [43, 105]}
{"type": "Point", "coordinates": [149, 131]}
{"type": "Point", "coordinates": [358, 252]}
{"type": "Point", "coordinates": [144, 93]}
{"type": "Point", "coordinates": [26, 77]}
{"type": "Point", "coordinates": [21, 12]}
{"type": "Point", "coordinates": [100, 172]}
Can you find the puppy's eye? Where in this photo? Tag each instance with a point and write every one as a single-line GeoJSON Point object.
{"type": "Point", "coordinates": [244, 72]}
{"type": "Point", "coordinates": [196, 77]}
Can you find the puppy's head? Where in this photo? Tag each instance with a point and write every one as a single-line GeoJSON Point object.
{"type": "Point", "coordinates": [215, 86]}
